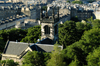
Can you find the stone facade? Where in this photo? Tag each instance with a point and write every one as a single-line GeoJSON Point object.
{"type": "Point", "coordinates": [81, 14]}
{"type": "Point", "coordinates": [6, 12]}
{"type": "Point", "coordinates": [12, 21]}
{"type": "Point", "coordinates": [32, 12]}
{"type": "Point", "coordinates": [49, 26]}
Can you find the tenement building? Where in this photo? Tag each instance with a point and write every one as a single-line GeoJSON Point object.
{"type": "Point", "coordinates": [8, 11]}
{"type": "Point", "coordinates": [81, 13]}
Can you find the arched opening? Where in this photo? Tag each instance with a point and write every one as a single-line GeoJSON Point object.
{"type": "Point", "coordinates": [47, 29]}
{"type": "Point", "coordinates": [56, 29]}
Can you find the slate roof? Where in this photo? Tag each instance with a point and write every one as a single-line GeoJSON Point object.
{"type": "Point", "coordinates": [15, 48]}
{"type": "Point", "coordinates": [42, 47]}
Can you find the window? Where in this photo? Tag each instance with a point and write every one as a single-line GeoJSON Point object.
{"type": "Point", "coordinates": [47, 29]}
{"type": "Point", "coordinates": [56, 29]}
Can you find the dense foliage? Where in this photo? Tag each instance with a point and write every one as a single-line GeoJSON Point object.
{"type": "Point", "coordinates": [44, 8]}
{"type": "Point", "coordinates": [33, 34]}
{"type": "Point", "coordinates": [35, 58]}
{"type": "Point", "coordinates": [57, 57]}
{"type": "Point", "coordinates": [77, 2]}
{"type": "Point", "coordinates": [71, 32]}
{"type": "Point", "coordinates": [8, 63]}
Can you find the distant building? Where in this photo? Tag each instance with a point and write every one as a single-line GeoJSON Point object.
{"type": "Point", "coordinates": [32, 12]}
{"type": "Point", "coordinates": [7, 12]}
{"type": "Point", "coordinates": [81, 13]}
{"type": "Point", "coordinates": [12, 21]}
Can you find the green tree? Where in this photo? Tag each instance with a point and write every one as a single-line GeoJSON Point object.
{"type": "Point", "coordinates": [68, 1]}
{"type": "Point", "coordinates": [92, 38]}
{"type": "Point", "coordinates": [33, 58]}
{"type": "Point", "coordinates": [16, 34]}
{"type": "Point", "coordinates": [2, 44]}
{"type": "Point", "coordinates": [96, 23]}
{"type": "Point", "coordinates": [75, 52]}
{"type": "Point", "coordinates": [74, 63]}
{"type": "Point", "coordinates": [90, 19]}
{"type": "Point", "coordinates": [9, 63]}
{"type": "Point", "coordinates": [44, 8]}
{"type": "Point", "coordinates": [33, 34]}
{"type": "Point", "coordinates": [93, 59]}
{"type": "Point", "coordinates": [77, 2]}
{"type": "Point", "coordinates": [67, 31]}
{"type": "Point", "coordinates": [56, 57]}
{"type": "Point", "coordinates": [4, 34]}
{"type": "Point", "coordinates": [81, 27]}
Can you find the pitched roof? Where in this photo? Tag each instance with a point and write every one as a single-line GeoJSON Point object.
{"type": "Point", "coordinates": [42, 47]}
{"type": "Point", "coordinates": [15, 48]}
{"type": "Point", "coordinates": [46, 41]}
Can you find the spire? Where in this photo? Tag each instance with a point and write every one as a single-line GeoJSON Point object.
{"type": "Point", "coordinates": [58, 12]}
{"type": "Point", "coordinates": [53, 14]}
{"type": "Point", "coordinates": [46, 14]}
{"type": "Point", "coordinates": [41, 15]}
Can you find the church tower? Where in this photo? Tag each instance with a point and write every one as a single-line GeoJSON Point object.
{"type": "Point", "coordinates": [49, 25]}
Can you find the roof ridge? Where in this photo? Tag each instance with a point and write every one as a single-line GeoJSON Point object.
{"type": "Point", "coordinates": [19, 42]}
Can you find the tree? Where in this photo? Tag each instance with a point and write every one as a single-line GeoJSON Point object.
{"type": "Point", "coordinates": [67, 31]}
{"type": "Point", "coordinates": [44, 8]}
{"type": "Point", "coordinates": [56, 57]}
{"type": "Point", "coordinates": [16, 34]}
{"type": "Point", "coordinates": [4, 34]}
{"type": "Point", "coordinates": [74, 63]}
{"type": "Point", "coordinates": [68, 1]}
{"type": "Point", "coordinates": [77, 2]}
{"type": "Point", "coordinates": [92, 38]}
{"type": "Point", "coordinates": [90, 19]}
{"type": "Point", "coordinates": [93, 59]}
{"type": "Point", "coordinates": [96, 23]}
{"type": "Point", "coordinates": [33, 58]}
{"type": "Point", "coordinates": [75, 52]}
{"type": "Point", "coordinates": [33, 34]}
{"type": "Point", "coordinates": [81, 27]}
{"type": "Point", "coordinates": [2, 44]}
{"type": "Point", "coordinates": [9, 63]}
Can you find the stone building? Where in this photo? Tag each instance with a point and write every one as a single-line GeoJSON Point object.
{"type": "Point", "coordinates": [12, 21]}
{"type": "Point", "coordinates": [81, 13]}
{"type": "Point", "coordinates": [6, 12]}
{"type": "Point", "coordinates": [32, 12]}
{"type": "Point", "coordinates": [16, 50]}
{"type": "Point", "coordinates": [49, 26]}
